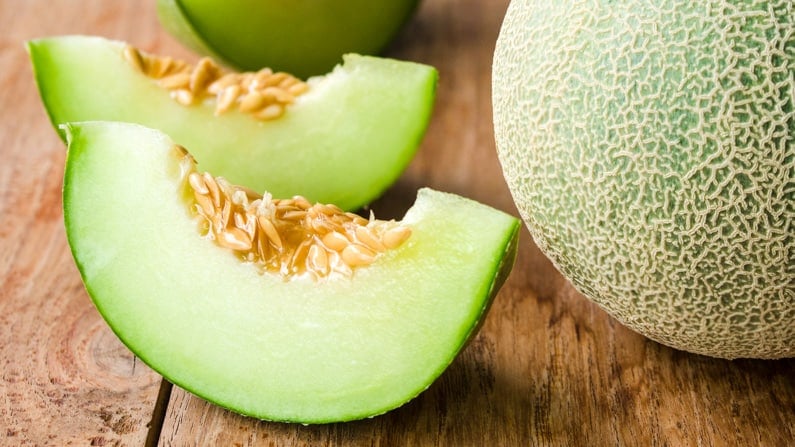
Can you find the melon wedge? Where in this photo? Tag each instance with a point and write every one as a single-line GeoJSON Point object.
{"type": "Point", "coordinates": [344, 141]}
{"type": "Point", "coordinates": [296, 349]}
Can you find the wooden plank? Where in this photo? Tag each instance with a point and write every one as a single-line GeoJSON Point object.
{"type": "Point", "coordinates": [65, 379]}
{"type": "Point", "coordinates": [548, 367]}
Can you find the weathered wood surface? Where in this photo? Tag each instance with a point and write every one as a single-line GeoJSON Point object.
{"type": "Point", "coordinates": [548, 367]}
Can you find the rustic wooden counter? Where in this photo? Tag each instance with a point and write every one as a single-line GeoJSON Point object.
{"type": "Point", "coordinates": [548, 367]}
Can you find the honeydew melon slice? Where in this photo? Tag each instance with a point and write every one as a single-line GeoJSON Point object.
{"type": "Point", "coordinates": [344, 141]}
{"type": "Point", "coordinates": [288, 349]}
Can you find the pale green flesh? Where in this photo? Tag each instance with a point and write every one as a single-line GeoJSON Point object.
{"type": "Point", "coordinates": [294, 350]}
{"type": "Point", "coordinates": [343, 142]}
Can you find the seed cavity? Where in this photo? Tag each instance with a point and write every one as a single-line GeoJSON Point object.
{"type": "Point", "coordinates": [289, 237]}
{"type": "Point", "coordinates": [264, 95]}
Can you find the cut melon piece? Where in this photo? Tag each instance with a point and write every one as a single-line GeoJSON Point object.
{"type": "Point", "coordinates": [343, 141]}
{"type": "Point", "coordinates": [286, 348]}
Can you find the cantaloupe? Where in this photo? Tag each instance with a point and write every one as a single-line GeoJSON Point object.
{"type": "Point", "coordinates": [650, 149]}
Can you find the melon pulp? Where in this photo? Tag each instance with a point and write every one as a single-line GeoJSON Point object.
{"type": "Point", "coordinates": [288, 350]}
{"type": "Point", "coordinates": [302, 37]}
{"type": "Point", "coordinates": [650, 148]}
{"type": "Point", "coordinates": [344, 141]}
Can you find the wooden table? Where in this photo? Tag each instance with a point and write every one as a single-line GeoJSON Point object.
{"type": "Point", "coordinates": [548, 367]}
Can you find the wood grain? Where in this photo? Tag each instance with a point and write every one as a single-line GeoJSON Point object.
{"type": "Point", "coordinates": [547, 368]}
{"type": "Point", "coordinates": [65, 379]}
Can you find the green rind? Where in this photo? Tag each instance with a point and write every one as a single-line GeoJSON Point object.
{"type": "Point", "coordinates": [305, 38]}
{"type": "Point", "coordinates": [344, 142]}
{"type": "Point", "coordinates": [404, 318]}
{"type": "Point", "coordinates": [173, 19]}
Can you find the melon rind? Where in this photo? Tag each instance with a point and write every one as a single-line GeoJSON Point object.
{"type": "Point", "coordinates": [303, 38]}
{"type": "Point", "coordinates": [298, 350]}
{"type": "Point", "coordinates": [171, 14]}
{"type": "Point", "coordinates": [650, 149]}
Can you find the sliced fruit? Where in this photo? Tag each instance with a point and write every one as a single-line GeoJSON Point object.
{"type": "Point", "coordinates": [272, 343]}
{"type": "Point", "coordinates": [303, 37]}
{"type": "Point", "coordinates": [342, 138]}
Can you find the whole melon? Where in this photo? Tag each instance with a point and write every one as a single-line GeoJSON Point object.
{"type": "Point", "coordinates": [650, 148]}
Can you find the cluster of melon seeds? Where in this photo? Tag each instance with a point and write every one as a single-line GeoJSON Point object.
{"type": "Point", "coordinates": [290, 237]}
{"type": "Point", "coordinates": [264, 94]}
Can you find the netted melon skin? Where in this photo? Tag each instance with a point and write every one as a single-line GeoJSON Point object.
{"type": "Point", "coordinates": [650, 149]}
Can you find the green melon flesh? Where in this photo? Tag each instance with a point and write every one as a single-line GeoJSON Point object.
{"type": "Point", "coordinates": [302, 37]}
{"type": "Point", "coordinates": [298, 350]}
{"type": "Point", "coordinates": [344, 142]}
{"type": "Point", "coordinates": [650, 148]}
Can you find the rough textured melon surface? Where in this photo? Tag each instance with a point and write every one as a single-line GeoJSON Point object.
{"type": "Point", "coordinates": [650, 148]}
